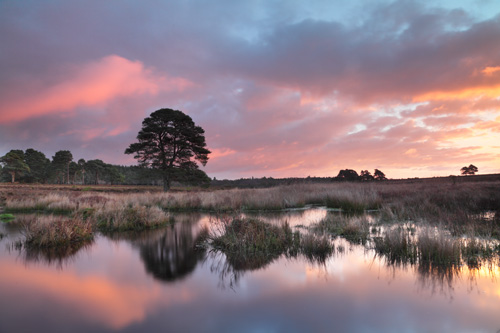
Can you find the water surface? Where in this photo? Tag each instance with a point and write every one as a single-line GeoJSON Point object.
{"type": "Point", "coordinates": [159, 281]}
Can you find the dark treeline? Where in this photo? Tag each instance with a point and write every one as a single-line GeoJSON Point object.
{"type": "Point", "coordinates": [343, 175]}
{"type": "Point", "coordinates": [32, 166]}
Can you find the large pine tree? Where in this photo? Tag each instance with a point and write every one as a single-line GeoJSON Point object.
{"type": "Point", "coordinates": [171, 142]}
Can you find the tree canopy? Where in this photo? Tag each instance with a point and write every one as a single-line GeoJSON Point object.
{"type": "Point", "coordinates": [379, 175]}
{"type": "Point", "coordinates": [13, 163]}
{"type": "Point", "coordinates": [348, 174]}
{"type": "Point", "coordinates": [366, 175]}
{"type": "Point", "coordinates": [38, 164]}
{"type": "Point", "coordinates": [61, 161]}
{"type": "Point", "coordinates": [469, 170]}
{"type": "Point", "coordinates": [171, 142]}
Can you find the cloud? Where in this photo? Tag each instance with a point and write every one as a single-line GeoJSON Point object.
{"type": "Point", "coordinates": [281, 89]}
{"type": "Point", "coordinates": [89, 85]}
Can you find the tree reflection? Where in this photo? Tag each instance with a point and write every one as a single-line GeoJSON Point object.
{"type": "Point", "coordinates": [171, 254]}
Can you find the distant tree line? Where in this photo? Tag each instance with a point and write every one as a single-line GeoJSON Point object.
{"type": "Point", "coordinates": [343, 175]}
{"type": "Point", "coordinates": [32, 166]}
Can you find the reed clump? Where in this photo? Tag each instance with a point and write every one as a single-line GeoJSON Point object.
{"type": "Point", "coordinates": [433, 247]}
{"type": "Point", "coordinates": [115, 217]}
{"type": "Point", "coordinates": [254, 241]}
{"type": "Point", "coordinates": [398, 246]}
{"type": "Point", "coordinates": [316, 248]}
{"type": "Point", "coordinates": [355, 229]}
{"type": "Point", "coordinates": [42, 231]}
{"type": "Point", "coordinates": [437, 248]}
{"type": "Point", "coordinates": [251, 235]}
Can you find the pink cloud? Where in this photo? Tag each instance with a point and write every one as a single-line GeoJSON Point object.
{"type": "Point", "coordinates": [90, 85]}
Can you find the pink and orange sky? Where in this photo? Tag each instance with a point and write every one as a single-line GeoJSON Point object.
{"type": "Point", "coordinates": [282, 88]}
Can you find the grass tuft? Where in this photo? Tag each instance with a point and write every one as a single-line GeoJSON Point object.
{"type": "Point", "coordinates": [251, 243]}
{"type": "Point", "coordinates": [119, 218]}
{"type": "Point", "coordinates": [55, 231]}
{"type": "Point", "coordinates": [355, 229]}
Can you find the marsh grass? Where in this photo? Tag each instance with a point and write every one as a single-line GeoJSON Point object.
{"type": "Point", "coordinates": [252, 243]}
{"type": "Point", "coordinates": [431, 247]}
{"type": "Point", "coordinates": [462, 208]}
{"type": "Point", "coordinates": [44, 231]}
{"type": "Point", "coordinates": [252, 235]}
{"type": "Point", "coordinates": [355, 229]}
{"type": "Point", "coordinates": [118, 218]}
{"type": "Point", "coordinates": [316, 248]}
{"type": "Point", "coordinates": [398, 246]}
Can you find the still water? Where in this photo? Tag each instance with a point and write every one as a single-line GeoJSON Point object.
{"type": "Point", "coordinates": [157, 281]}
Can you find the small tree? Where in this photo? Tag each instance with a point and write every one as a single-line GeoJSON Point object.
{"type": "Point", "coordinates": [96, 169]}
{"type": "Point", "coordinates": [170, 141]}
{"type": "Point", "coordinates": [61, 161]}
{"type": "Point", "coordinates": [13, 163]}
{"type": "Point", "coordinates": [366, 175]}
{"type": "Point", "coordinates": [348, 174]}
{"type": "Point", "coordinates": [81, 169]}
{"type": "Point", "coordinates": [469, 170]}
{"type": "Point", "coordinates": [379, 175]}
{"type": "Point", "coordinates": [38, 164]}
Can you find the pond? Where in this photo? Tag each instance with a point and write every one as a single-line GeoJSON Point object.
{"type": "Point", "coordinates": [160, 281]}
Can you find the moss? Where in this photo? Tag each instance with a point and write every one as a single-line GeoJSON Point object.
{"type": "Point", "coordinates": [6, 217]}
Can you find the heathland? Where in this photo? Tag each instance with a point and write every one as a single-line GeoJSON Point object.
{"type": "Point", "coordinates": [442, 221]}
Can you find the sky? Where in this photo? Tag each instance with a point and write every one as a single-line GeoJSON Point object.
{"type": "Point", "coordinates": [282, 88]}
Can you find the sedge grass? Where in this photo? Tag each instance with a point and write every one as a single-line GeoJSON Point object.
{"type": "Point", "coordinates": [43, 231]}
{"type": "Point", "coordinates": [251, 243]}
{"type": "Point", "coordinates": [118, 218]}
{"type": "Point", "coordinates": [355, 229]}
{"type": "Point", "coordinates": [433, 248]}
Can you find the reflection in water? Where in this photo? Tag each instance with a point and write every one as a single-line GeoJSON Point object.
{"type": "Point", "coordinates": [438, 260]}
{"type": "Point", "coordinates": [58, 256]}
{"type": "Point", "coordinates": [294, 217]}
{"type": "Point", "coordinates": [173, 254]}
{"type": "Point", "coordinates": [108, 289]}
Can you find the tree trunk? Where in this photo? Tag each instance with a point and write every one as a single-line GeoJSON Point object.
{"type": "Point", "coordinates": [13, 174]}
{"type": "Point", "coordinates": [166, 182]}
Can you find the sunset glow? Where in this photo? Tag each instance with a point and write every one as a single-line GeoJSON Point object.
{"type": "Point", "coordinates": [281, 89]}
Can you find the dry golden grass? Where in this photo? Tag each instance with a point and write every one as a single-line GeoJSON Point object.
{"type": "Point", "coordinates": [461, 208]}
{"type": "Point", "coordinates": [55, 231]}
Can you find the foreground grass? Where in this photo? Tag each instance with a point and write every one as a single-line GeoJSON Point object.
{"type": "Point", "coordinates": [463, 208]}
{"type": "Point", "coordinates": [433, 248]}
{"type": "Point", "coordinates": [77, 229]}
{"type": "Point", "coordinates": [251, 243]}
{"type": "Point", "coordinates": [56, 231]}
